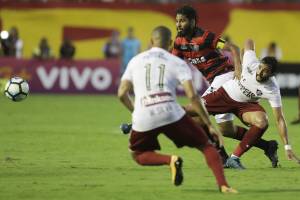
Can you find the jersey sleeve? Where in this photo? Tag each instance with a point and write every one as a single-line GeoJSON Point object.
{"type": "Point", "coordinates": [275, 96]}
{"type": "Point", "coordinates": [128, 72]}
{"type": "Point", "coordinates": [275, 101]}
{"type": "Point", "coordinates": [183, 72]}
{"type": "Point", "coordinates": [249, 59]}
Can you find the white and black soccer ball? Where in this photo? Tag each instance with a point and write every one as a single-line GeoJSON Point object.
{"type": "Point", "coordinates": [16, 89]}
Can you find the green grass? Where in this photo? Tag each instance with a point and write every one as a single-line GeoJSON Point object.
{"type": "Point", "coordinates": [70, 147]}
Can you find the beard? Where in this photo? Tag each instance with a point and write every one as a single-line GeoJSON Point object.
{"type": "Point", "coordinates": [262, 79]}
{"type": "Point", "coordinates": [183, 33]}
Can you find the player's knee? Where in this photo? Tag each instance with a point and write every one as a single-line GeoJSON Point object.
{"type": "Point", "coordinates": [261, 122]}
{"type": "Point", "coordinates": [138, 157]}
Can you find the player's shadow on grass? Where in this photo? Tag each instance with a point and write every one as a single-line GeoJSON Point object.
{"type": "Point", "coordinates": [275, 190]}
{"type": "Point", "coordinates": [245, 191]}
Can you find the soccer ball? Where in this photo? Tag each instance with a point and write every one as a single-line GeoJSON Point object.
{"type": "Point", "coordinates": [16, 89]}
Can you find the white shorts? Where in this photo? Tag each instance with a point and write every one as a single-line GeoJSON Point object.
{"type": "Point", "coordinates": [216, 84]}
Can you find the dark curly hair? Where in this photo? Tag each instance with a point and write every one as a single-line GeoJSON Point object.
{"type": "Point", "coordinates": [188, 11]}
{"type": "Point", "coordinates": [270, 62]}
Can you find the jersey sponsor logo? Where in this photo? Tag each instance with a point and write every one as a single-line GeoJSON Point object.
{"type": "Point", "coordinates": [157, 98]}
{"type": "Point", "coordinates": [196, 47]}
{"type": "Point", "coordinates": [160, 110]}
{"type": "Point", "coordinates": [247, 92]}
{"type": "Point", "coordinates": [190, 47]}
{"type": "Point", "coordinates": [183, 47]}
{"type": "Point", "coordinates": [198, 60]}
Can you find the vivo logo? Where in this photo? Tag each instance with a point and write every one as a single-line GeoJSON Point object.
{"type": "Point", "coordinates": [99, 77]}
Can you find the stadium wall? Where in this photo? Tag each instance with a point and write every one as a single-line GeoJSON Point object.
{"type": "Point", "coordinates": [102, 76]}
{"type": "Point", "coordinates": [71, 77]}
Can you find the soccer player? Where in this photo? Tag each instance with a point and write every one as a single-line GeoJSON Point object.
{"type": "Point", "coordinates": [297, 120]}
{"type": "Point", "coordinates": [201, 48]}
{"type": "Point", "coordinates": [153, 76]}
{"type": "Point", "coordinates": [240, 96]}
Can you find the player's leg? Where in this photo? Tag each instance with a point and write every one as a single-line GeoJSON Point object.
{"type": "Point", "coordinates": [187, 133]}
{"type": "Point", "coordinates": [258, 122]}
{"type": "Point", "coordinates": [221, 150]}
{"type": "Point", "coordinates": [144, 145]}
{"type": "Point", "coordinates": [225, 122]}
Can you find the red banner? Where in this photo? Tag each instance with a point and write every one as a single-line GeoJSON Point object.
{"type": "Point", "coordinates": [81, 76]}
{"type": "Point", "coordinates": [61, 76]}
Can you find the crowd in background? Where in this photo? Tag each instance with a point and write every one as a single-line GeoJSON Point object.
{"type": "Point", "coordinates": [11, 45]}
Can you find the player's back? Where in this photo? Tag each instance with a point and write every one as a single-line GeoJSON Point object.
{"type": "Point", "coordinates": [155, 76]}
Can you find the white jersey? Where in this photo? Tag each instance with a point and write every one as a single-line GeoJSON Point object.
{"type": "Point", "coordinates": [155, 74]}
{"type": "Point", "coordinates": [248, 89]}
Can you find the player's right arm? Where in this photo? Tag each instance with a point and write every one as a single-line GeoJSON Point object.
{"type": "Point", "coordinates": [249, 45]}
{"type": "Point", "coordinates": [126, 86]}
{"type": "Point", "coordinates": [199, 108]}
{"type": "Point", "coordinates": [123, 94]}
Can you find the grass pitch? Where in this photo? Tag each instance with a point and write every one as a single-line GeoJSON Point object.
{"type": "Point", "coordinates": [70, 147]}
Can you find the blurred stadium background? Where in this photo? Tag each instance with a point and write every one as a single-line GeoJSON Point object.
{"type": "Point", "coordinates": [58, 146]}
{"type": "Point", "coordinates": [90, 23]}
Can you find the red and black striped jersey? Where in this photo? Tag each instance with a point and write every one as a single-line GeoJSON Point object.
{"type": "Point", "coordinates": [201, 51]}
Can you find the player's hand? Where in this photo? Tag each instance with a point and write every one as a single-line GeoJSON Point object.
{"type": "Point", "coordinates": [218, 137]}
{"type": "Point", "coordinates": [291, 156]}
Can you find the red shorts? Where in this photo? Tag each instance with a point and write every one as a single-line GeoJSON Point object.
{"type": "Point", "coordinates": [219, 102]}
{"type": "Point", "coordinates": [184, 132]}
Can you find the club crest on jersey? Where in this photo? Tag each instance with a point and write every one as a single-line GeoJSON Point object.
{"type": "Point", "coordinates": [258, 92]}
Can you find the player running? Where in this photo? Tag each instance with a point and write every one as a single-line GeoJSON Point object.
{"type": "Point", "coordinates": [154, 76]}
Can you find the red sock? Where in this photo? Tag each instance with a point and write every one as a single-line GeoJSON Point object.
{"type": "Point", "coordinates": [151, 158]}
{"type": "Point", "coordinates": [213, 160]}
{"type": "Point", "coordinates": [250, 138]}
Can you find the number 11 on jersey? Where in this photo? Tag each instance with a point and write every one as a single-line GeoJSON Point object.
{"type": "Point", "coordinates": [160, 79]}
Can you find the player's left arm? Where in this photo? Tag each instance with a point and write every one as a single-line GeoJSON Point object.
{"type": "Point", "coordinates": [282, 128]}
{"type": "Point", "coordinates": [123, 94]}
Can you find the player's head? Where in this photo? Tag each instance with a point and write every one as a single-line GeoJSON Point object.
{"type": "Point", "coordinates": [161, 37]}
{"type": "Point", "coordinates": [186, 20]}
{"type": "Point", "coordinates": [266, 69]}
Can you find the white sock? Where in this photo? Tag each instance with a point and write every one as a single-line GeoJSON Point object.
{"type": "Point", "coordinates": [234, 156]}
